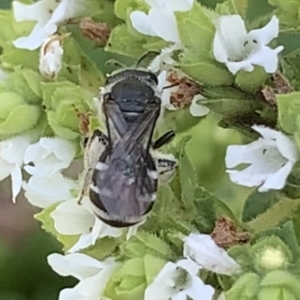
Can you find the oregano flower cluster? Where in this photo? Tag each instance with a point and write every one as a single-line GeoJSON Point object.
{"type": "Point", "coordinates": [237, 62]}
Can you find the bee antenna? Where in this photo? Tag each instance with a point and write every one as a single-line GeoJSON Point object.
{"type": "Point", "coordinates": [114, 63]}
{"type": "Point", "coordinates": [145, 55]}
{"type": "Point", "coordinates": [170, 86]}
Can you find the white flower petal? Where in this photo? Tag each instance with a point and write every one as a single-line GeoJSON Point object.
{"type": "Point", "coordinates": [49, 156]}
{"type": "Point", "coordinates": [287, 148]}
{"type": "Point", "coordinates": [162, 287]}
{"type": "Point", "coordinates": [93, 275]}
{"type": "Point", "coordinates": [102, 230]}
{"type": "Point", "coordinates": [199, 290]}
{"type": "Point", "coordinates": [141, 22]}
{"type": "Point", "coordinates": [266, 132]}
{"type": "Point", "coordinates": [71, 294]}
{"type": "Point", "coordinates": [78, 265]}
{"type": "Point", "coordinates": [16, 178]}
{"type": "Point", "coordinates": [48, 14]}
{"type": "Point", "coordinates": [198, 110]}
{"type": "Point", "coordinates": [266, 58]}
{"type": "Point", "coordinates": [45, 191]}
{"type": "Point", "coordinates": [132, 230]}
{"type": "Point", "coordinates": [38, 11]}
{"type": "Point", "coordinates": [204, 251]}
{"type": "Point", "coordinates": [36, 37]}
{"type": "Point", "coordinates": [71, 218]}
{"type": "Point", "coordinates": [164, 25]}
{"type": "Point", "coordinates": [247, 177]}
{"type": "Point", "coordinates": [267, 33]}
{"type": "Point", "coordinates": [180, 296]}
{"type": "Point", "coordinates": [95, 285]}
{"type": "Point", "coordinates": [179, 5]}
{"type": "Point", "coordinates": [277, 180]}
{"type": "Point", "coordinates": [13, 150]}
{"type": "Point", "coordinates": [245, 65]}
{"type": "Point", "coordinates": [230, 34]}
{"type": "Point", "coordinates": [84, 241]}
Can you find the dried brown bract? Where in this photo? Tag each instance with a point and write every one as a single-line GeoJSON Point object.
{"type": "Point", "coordinates": [185, 90]}
{"type": "Point", "coordinates": [226, 234]}
{"type": "Point", "coordinates": [281, 86]}
{"type": "Point", "coordinates": [96, 31]}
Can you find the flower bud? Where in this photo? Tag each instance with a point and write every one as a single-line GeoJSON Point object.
{"type": "Point", "coordinates": [204, 251]}
{"type": "Point", "coordinates": [16, 116]}
{"type": "Point", "coordinates": [51, 56]}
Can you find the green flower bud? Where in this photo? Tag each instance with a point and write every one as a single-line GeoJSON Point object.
{"type": "Point", "coordinates": [245, 288]}
{"type": "Point", "coordinates": [279, 285]}
{"type": "Point", "coordinates": [131, 279]}
{"type": "Point", "coordinates": [270, 254]}
{"type": "Point", "coordinates": [16, 115]}
{"type": "Point", "coordinates": [69, 108]}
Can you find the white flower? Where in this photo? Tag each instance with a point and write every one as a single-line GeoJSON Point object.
{"type": "Point", "coordinates": [92, 274]}
{"type": "Point", "coordinates": [163, 61]}
{"type": "Point", "coordinates": [196, 110]}
{"type": "Point", "coordinates": [49, 156]}
{"type": "Point", "coordinates": [177, 281]}
{"type": "Point", "coordinates": [71, 218]}
{"type": "Point", "coordinates": [45, 191]}
{"type": "Point", "coordinates": [11, 160]}
{"type": "Point", "coordinates": [240, 50]}
{"type": "Point", "coordinates": [51, 52]}
{"type": "Point", "coordinates": [48, 14]}
{"type": "Point", "coordinates": [202, 249]}
{"type": "Point", "coordinates": [270, 158]}
{"type": "Point", "coordinates": [160, 20]}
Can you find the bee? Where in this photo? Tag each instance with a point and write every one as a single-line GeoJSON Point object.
{"type": "Point", "coordinates": [123, 166]}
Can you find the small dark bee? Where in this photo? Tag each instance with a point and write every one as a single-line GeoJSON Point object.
{"type": "Point", "coordinates": [123, 169]}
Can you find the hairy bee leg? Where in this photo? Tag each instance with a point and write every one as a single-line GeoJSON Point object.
{"type": "Point", "coordinates": [166, 165]}
{"type": "Point", "coordinates": [94, 147]}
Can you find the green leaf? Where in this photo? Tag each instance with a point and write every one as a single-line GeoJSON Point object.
{"type": "Point", "coordinates": [288, 111]}
{"type": "Point", "coordinates": [26, 83]}
{"type": "Point", "coordinates": [153, 266]}
{"type": "Point", "coordinates": [21, 119]}
{"type": "Point", "coordinates": [251, 81]}
{"type": "Point", "coordinates": [291, 68]}
{"type": "Point", "coordinates": [48, 225]}
{"type": "Point", "coordinates": [230, 106]}
{"type": "Point", "coordinates": [282, 279]}
{"type": "Point", "coordinates": [207, 72]}
{"type": "Point", "coordinates": [231, 7]}
{"type": "Point", "coordinates": [257, 203]}
{"type": "Point", "coordinates": [103, 248]}
{"type": "Point", "coordinates": [121, 41]}
{"type": "Point", "coordinates": [246, 287]}
{"type": "Point", "coordinates": [122, 7]}
{"type": "Point", "coordinates": [290, 39]}
{"type": "Point", "coordinates": [12, 58]}
{"type": "Point", "coordinates": [191, 21]}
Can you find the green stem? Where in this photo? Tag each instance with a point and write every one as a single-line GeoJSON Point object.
{"type": "Point", "coordinates": [274, 216]}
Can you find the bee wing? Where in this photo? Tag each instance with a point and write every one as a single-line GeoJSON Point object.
{"type": "Point", "coordinates": [115, 122]}
{"type": "Point", "coordinates": [140, 135]}
{"type": "Point", "coordinates": [132, 189]}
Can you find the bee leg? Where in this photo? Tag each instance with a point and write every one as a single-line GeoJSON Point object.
{"type": "Point", "coordinates": [166, 165]}
{"type": "Point", "coordinates": [164, 139]}
{"type": "Point", "coordinates": [94, 147]}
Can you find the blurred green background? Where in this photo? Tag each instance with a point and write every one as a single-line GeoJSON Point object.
{"type": "Point", "coordinates": [24, 273]}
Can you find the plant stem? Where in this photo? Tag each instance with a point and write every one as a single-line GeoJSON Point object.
{"type": "Point", "coordinates": [274, 216]}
